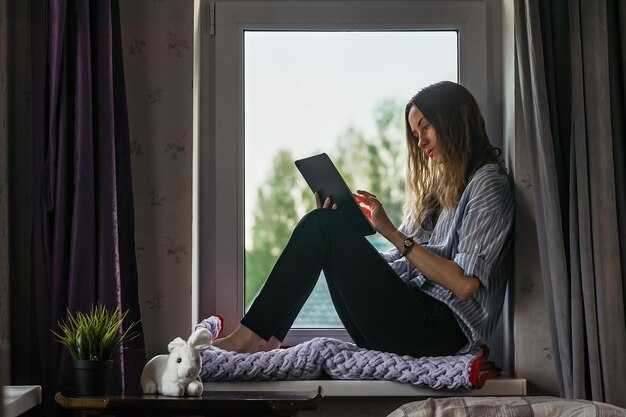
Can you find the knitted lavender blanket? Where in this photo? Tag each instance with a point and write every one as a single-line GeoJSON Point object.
{"type": "Point", "coordinates": [337, 359]}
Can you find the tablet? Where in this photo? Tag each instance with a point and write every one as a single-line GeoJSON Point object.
{"type": "Point", "coordinates": [322, 176]}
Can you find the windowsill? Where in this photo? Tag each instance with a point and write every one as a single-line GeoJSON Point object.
{"type": "Point", "coordinates": [501, 386]}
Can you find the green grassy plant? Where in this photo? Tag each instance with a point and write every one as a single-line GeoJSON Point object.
{"type": "Point", "coordinates": [95, 335]}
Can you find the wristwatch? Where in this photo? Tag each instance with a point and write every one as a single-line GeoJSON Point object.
{"type": "Point", "coordinates": [407, 245]}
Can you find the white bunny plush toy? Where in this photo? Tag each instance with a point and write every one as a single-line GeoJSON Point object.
{"type": "Point", "coordinates": [176, 374]}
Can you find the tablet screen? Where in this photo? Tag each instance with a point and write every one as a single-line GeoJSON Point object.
{"type": "Point", "coordinates": [322, 176]}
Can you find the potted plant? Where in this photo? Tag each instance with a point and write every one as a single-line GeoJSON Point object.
{"type": "Point", "coordinates": [92, 339]}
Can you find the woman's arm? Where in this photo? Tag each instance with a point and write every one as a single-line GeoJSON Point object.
{"type": "Point", "coordinates": [440, 270]}
{"type": "Point", "coordinates": [435, 268]}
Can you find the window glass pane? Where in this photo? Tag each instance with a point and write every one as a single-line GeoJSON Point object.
{"type": "Point", "coordinates": [342, 93]}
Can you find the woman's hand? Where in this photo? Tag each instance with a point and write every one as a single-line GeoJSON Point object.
{"type": "Point", "coordinates": [374, 210]}
{"type": "Point", "coordinates": [327, 202]}
{"type": "Point", "coordinates": [443, 271]}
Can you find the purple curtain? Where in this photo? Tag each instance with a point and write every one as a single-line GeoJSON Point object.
{"type": "Point", "coordinates": [83, 228]}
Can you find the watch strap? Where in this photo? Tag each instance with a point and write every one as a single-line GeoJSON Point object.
{"type": "Point", "coordinates": [408, 245]}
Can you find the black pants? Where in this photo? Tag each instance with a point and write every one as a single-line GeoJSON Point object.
{"type": "Point", "coordinates": [378, 310]}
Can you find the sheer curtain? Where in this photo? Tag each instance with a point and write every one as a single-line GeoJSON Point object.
{"type": "Point", "coordinates": [571, 68]}
{"type": "Point", "coordinates": [83, 226]}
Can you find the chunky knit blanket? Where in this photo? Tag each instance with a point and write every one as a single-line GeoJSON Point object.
{"type": "Point", "coordinates": [343, 360]}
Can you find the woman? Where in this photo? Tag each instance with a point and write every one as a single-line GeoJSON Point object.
{"type": "Point", "coordinates": [440, 290]}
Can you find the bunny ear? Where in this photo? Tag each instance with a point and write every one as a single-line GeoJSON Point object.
{"type": "Point", "coordinates": [200, 339]}
{"type": "Point", "coordinates": [178, 342]}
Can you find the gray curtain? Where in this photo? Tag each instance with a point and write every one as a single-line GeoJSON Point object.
{"type": "Point", "coordinates": [571, 67]}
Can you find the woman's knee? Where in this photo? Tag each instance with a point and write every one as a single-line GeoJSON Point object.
{"type": "Point", "coordinates": [319, 218]}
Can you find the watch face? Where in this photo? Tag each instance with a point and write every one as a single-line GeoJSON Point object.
{"type": "Point", "coordinates": [407, 243]}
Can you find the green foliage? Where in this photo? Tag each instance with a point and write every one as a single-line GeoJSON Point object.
{"type": "Point", "coordinates": [377, 164]}
{"type": "Point", "coordinates": [95, 335]}
{"type": "Point", "coordinates": [276, 215]}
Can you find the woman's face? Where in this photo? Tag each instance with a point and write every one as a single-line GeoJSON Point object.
{"type": "Point", "coordinates": [424, 133]}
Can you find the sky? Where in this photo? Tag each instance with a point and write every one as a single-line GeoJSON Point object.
{"type": "Point", "coordinates": [303, 89]}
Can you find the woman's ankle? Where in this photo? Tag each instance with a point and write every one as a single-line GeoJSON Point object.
{"type": "Point", "coordinates": [242, 340]}
{"type": "Point", "coordinates": [267, 345]}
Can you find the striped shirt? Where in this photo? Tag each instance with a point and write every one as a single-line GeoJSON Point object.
{"type": "Point", "coordinates": [477, 236]}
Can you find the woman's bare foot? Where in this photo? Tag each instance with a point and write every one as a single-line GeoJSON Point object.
{"type": "Point", "coordinates": [242, 340]}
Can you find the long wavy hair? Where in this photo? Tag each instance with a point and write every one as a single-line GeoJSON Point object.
{"type": "Point", "coordinates": [462, 144]}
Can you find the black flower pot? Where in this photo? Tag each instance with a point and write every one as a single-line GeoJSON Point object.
{"type": "Point", "coordinates": [91, 377]}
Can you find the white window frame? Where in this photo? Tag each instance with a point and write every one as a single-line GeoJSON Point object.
{"type": "Point", "coordinates": [218, 214]}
